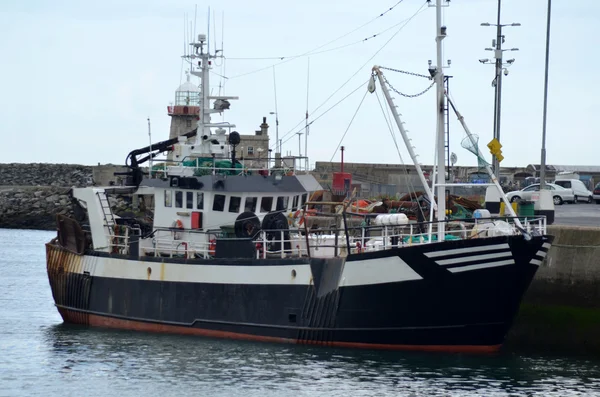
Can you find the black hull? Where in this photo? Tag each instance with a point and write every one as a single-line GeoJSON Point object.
{"type": "Point", "coordinates": [468, 311]}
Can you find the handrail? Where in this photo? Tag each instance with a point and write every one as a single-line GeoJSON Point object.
{"type": "Point", "coordinates": [325, 241]}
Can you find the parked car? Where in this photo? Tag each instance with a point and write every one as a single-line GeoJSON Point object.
{"type": "Point", "coordinates": [596, 194]}
{"type": "Point", "coordinates": [560, 195]}
{"type": "Point", "coordinates": [579, 189]}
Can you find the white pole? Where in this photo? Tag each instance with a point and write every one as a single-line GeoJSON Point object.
{"type": "Point", "coordinates": [441, 168]}
{"type": "Point", "coordinates": [299, 149]}
{"type": "Point", "coordinates": [277, 147]}
{"type": "Point", "coordinates": [306, 120]}
{"type": "Point", "coordinates": [407, 142]}
{"type": "Point", "coordinates": [150, 139]}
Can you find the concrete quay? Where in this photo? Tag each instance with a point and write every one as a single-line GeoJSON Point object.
{"type": "Point", "coordinates": [561, 310]}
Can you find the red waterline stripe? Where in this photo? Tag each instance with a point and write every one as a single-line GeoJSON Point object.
{"type": "Point", "coordinates": [117, 323]}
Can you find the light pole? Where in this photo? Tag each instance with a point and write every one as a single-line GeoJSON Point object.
{"type": "Point", "coordinates": [543, 159]}
{"type": "Point", "coordinates": [277, 142]}
{"type": "Point", "coordinates": [497, 82]}
{"type": "Point", "coordinates": [299, 146]}
{"type": "Point", "coordinates": [276, 132]}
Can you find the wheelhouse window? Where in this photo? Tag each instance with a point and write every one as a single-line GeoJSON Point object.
{"type": "Point", "coordinates": [234, 204]}
{"type": "Point", "coordinates": [304, 198]}
{"type": "Point", "coordinates": [295, 202]}
{"type": "Point", "coordinates": [266, 203]}
{"type": "Point", "coordinates": [250, 204]}
{"type": "Point", "coordinates": [282, 203]}
{"type": "Point", "coordinates": [168, 198]}
{"type": "Point", "coordinates": [219, 202]}
{"type": "Point", "coordinates": [200, 200]}
{"type": "Point", "coordinates": [178, 199]}
{"type": "Point", "coordinates": [189, 200]}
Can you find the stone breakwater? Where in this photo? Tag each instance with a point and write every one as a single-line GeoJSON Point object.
{"type": "Point", "coordinates": [41, 174]}
{"type": "Point", "coordinates": [33, 208]}
{"type": "Point", "coordinates": [37, 207]}
{"type": "Point", "coordinates": [31, 195]}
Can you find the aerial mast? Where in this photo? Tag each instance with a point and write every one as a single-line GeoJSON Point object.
{"type": "Point", "coordinates": [440, 32]}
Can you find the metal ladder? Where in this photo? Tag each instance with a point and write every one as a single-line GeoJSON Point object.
{"type": "Point", "coordinates": [109, 218]}
{"type": "Point", "coordinates": [447, 128]}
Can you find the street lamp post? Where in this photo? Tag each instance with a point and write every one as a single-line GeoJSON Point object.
{"type": "Point", "coordinates": [277, 145]}
{"type": "Point", "coordinates": [543, 159]}
{"type": "Point", "coordinates": [497, 82]}
{"type": "Point", "coordinates": [299, 147]}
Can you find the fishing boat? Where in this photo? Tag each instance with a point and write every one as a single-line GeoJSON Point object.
{"type": "Point", "coordinates": [229, 252]}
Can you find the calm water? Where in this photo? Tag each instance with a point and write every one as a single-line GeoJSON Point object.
{"type": "Point", "coordinates": [41, 356]}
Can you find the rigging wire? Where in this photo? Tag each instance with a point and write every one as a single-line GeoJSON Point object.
{"type": "Point", "coordinates": [409, 183]}
{"type": "Point", "coordinates": [291, 57]}
{"type": "Point", "coordinates": [326, 111]}
{"type": "Point", "coordinates": [314, 50]}
{"type": "Point", "coordinates": [421, 9]}
{"type": "Point", "coordinates": [349, 124]}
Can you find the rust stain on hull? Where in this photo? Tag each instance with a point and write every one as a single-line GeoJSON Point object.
{"type": "Point", "coordinates": [70, 286]}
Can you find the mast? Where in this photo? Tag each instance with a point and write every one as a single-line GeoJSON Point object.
{"type": "Point", "coordinates": [440, 32]}
{"type": "Point", "coordinates": [204, 74]}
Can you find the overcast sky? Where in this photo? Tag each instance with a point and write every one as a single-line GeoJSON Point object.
{"type": "Point", "coordinates": [80, 78]}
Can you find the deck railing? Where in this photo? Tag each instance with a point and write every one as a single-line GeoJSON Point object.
{"type": "Point", "coordinates": [319, 242]}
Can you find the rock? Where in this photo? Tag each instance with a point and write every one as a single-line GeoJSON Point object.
{"type": "Point", "coordinates": [52, 198]}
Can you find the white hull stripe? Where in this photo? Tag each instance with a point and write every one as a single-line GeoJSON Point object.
{"type": "Point", "coordinates": [535, 262]}
{"type": "Point", "coordinates": [377, 271]}
{"type": "Point", "coordinates": [213, 274]}
{"type": "Point", "coordinates": [364, 272]}
{"type": "Point", "coordinates": [466, 259]}
{"type": "Point", "coordinates": [457, 251]}
{"type": "Point", "coordinates": [481, 266]}
{"type": "Point", "coordinates": [546, 245]}
{"type": "Point", "coordinates": [541, 253]}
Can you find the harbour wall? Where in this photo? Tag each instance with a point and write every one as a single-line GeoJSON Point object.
{"type": "Point", "coordinates": [41, 174]}
{"type": "Point", "coordinates": [561, 310]}
{"type": "Point", "coordinates": [32, 194]}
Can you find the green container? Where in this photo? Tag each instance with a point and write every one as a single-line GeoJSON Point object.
{"type": "Point", "coordinates": [525, 209]}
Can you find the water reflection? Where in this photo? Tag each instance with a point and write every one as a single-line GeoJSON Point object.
{"type": "Point", "coordinates": [233, 366]}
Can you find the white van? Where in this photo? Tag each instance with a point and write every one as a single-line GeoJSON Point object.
{"type": "Point", "coordinates": [579, 190]}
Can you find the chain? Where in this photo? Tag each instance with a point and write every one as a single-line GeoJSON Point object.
{"type": "Point", "coordinates": [405, 72]}
{"type": "Point", "coordinates": [407, 95]}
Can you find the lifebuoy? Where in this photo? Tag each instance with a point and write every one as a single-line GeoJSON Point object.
{"type": "Point", "coordinates": [212, 247]}
{"type": "Point", "coordinates": [177, 225]}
